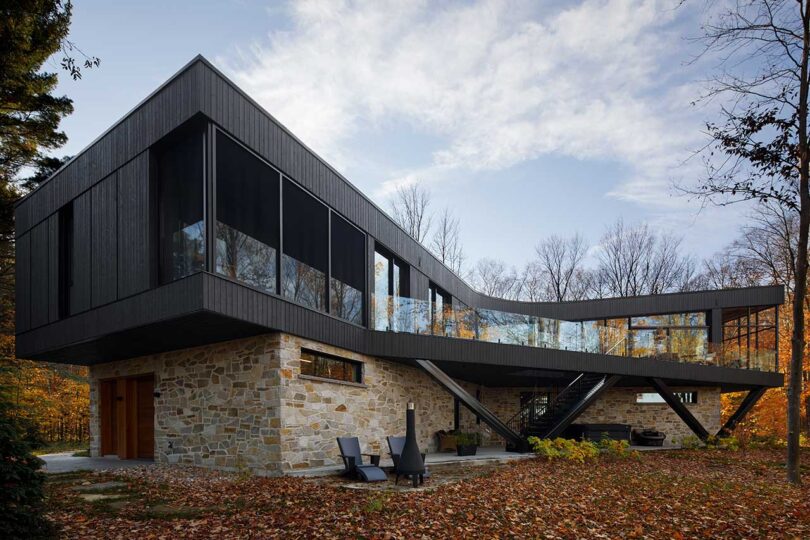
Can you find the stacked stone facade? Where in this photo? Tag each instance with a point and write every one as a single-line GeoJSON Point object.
{"type": "Point", "coordinates": [245, 404]}
{"type": "Point", "coordinates": [615, 406]}
{"type": "Point", "coordinates": [618, 406]}
{"type": "Point", "coordinates": [215, 406]}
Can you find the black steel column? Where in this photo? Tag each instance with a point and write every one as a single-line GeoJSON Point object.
{"type": "Point", "coordinates": [747, 404]}
{"type": "Point", "coordinates": [679, 408]}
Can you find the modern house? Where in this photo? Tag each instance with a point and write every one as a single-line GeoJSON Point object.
{"type": "Point", "coordinates": [241, 304]}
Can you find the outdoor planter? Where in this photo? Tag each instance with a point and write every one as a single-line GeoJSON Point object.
{"type": "Point", "coordinates": [467, 443]}
{"type": "Point", "coordinates": [466, 449]}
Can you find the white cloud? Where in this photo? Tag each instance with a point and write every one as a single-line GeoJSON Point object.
{"type": "Point", "coordinates": [502, 82]}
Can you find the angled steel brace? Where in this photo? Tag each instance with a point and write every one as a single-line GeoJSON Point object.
{"type": "Point", "coordinates": [581, 405]}
{"type": "Point", "coordinates": [679, 408]}
{"type": "Point", "coordinates": [471, 403]}
{"type": "Point", "coordinates": [747, 404]}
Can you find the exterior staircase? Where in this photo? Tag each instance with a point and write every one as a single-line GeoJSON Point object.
{"type": "Point", "coordinates": [539, 418]}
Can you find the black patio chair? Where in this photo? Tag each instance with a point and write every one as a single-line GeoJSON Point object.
{"type": "Point", "coordinates": [395, 446]}
{"type": "Point", "coordinates": [353, 461]}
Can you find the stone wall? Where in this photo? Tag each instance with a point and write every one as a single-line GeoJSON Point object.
{"type": "Point", "coordinates": [315, 412]}
{"type": "Point", "coordinates": [245, 404]}
{"type": "Point", "coordinates": [218, 405]}
{"type": "Point", "coordinates": [618, 406]}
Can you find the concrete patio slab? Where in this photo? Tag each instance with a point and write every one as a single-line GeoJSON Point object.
{"type": "Point", "coordinates": [65, 462]}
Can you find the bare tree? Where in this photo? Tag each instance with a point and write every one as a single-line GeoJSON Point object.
{"type": "Point", "coordinates": [533, 283]}
{"type": "Point", "coordinates": [759, 150]}
{"type": "Point", "coordinates": [493, 278]}
{"type": "Point", "coordinates": [410, 210]}
{"type": "Point", "coordinates": [446, 242]}
{"type": "Point", "coordinates": [561, 262]}
{"type": "Point", "coordinates": [634, 260]}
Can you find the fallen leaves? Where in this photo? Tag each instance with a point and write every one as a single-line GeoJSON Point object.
{"type": "Point", "coordinates": [677, 495]}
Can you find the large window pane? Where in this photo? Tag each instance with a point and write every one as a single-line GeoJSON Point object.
{"type": "Point", "coordinates": [247, 216]}
{"type": "Point", "coordinates": [304, 261]}
{"type": "Point", "coordinates": [348, 270]}
{"type": "Point", "coordinates": [180, 187]}
{"type": "Point", "coordinates": [381, 296]}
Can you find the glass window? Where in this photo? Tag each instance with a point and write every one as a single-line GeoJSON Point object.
{"type": "Point", "coordinates": [655, 397]}
{"type": "Point", "coordinates": [390, 287]}
{"type": "Point", "coordinates": [247, 216]}
{"type": "Point", "coordinates": [304, 261]}
{"type": "Point", "coordinates": [316, 364]}
{"type": "Point", "coordinates": [441, 307]}
{"type": "Point", "coordinates": [348, 270]}
{"type": "Point", "coordinates": [180, 194]}
{"type": "Point", "coordinates": [381, 296]}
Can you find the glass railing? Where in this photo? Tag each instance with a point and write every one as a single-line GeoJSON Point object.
{"type": "Point", "coordinates": [413, 316]}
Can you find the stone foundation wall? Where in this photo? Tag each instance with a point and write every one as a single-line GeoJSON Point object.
{"type": "Point", "coordinates": [218, 405]}
{"type": "Point", "coordinates": [315, 412]}
{"type": "Point", "coordinates": [618, 406]}
{"type": "Point", "coordinates": [244, 404]}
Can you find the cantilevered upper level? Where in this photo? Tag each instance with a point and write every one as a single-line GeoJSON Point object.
{"type": "Point", "coordinates": [198, 218]}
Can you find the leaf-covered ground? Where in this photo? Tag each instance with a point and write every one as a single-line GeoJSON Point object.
{"type": "Point", "coordinates": [680, 494]}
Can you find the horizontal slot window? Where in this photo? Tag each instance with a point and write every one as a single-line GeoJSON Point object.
{"type": "Point", "coordinates": [655, 397]}
{"type": "Point", "coordinates": [316, 364]}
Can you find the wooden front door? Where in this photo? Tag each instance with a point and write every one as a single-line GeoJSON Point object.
{"type": "Point", "coordinates": [146, 417]}
{"type": "Point", "coordinates": [127, 415]}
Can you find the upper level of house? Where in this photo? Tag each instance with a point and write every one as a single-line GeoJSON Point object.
{"type": "Point", "coordinates": [199, 218]}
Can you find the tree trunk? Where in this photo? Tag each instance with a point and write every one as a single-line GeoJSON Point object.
{"type": "Point", "coordinates": [797, 341]}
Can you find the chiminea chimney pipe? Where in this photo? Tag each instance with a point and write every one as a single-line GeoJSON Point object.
{"type": "Point", "coordinates": [411, 462]}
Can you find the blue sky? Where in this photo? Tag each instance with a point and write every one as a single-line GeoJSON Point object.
{"type": "Point", "coordinates": [526, 118]}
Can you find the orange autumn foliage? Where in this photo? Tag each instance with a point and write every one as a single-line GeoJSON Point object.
{"type": "Point", "coordinates": [768, 418]}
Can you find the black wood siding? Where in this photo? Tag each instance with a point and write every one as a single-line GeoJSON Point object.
{"type": "Point", "coordinates": [39, 275]}
{"type": "Point", "coordinates": [109, 182]}
{"type": "Point", "coordinates": [133, 227]}
{"type": "Point", "coordinates": [104, 247]}
{"type": "Point", "coordinates": [22, 277]}
{"type": "Point", "coordinates": [80, 292]}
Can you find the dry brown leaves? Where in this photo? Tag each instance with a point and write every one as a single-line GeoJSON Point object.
{"type": "Point", "coordinates": [688, 494]}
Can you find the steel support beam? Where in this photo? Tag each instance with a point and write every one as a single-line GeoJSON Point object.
{"type": "Point", "coordinates": [471, 403]}
{"type": "Point", "coordinates": [747, 404]}
{"type": "Point", "coordinates": [679, 408]}
{"type": "Point", "coordinates": [581, 405]}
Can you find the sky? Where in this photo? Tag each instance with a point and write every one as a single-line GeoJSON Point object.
{"type": "Point", "coordinates": [525, 118]}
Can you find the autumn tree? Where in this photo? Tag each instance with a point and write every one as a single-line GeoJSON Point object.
{"type": "Point", "coordinates": [32, 35]}
{"type": "Point", "coordinates": [758, 149]}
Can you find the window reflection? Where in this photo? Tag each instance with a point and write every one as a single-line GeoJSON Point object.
{"type": "Point", "coordinates": [304, 261]}
{"type": "Point", "coordinates": [180, 194]}
{"type": "Point", "coordinates": [247, 216]}
{"type": "Point", "coordinates": [348, 270]}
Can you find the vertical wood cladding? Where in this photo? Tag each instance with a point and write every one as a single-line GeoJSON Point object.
{"type": "Point", "coordinates": [22, 278]}
{"type": "Point", "coordinates": [133, 226]}
{"type": "Point", "coordinates": [104, 250]}
{"type": "Point", "coordinates": [81, 273]}
{"type": "Point", "coordinates": [53, 268]}
{"type": "Point", "coordinates": [39, 275]}
{"type": "Point", "coordinates": [113, 258]}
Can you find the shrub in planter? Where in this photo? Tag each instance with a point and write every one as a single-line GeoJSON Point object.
{"type": "Point", "coordinates": [467, 443]}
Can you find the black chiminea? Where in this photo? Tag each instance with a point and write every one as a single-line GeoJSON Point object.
{"type": "Point", "coordinates": [410, 461]}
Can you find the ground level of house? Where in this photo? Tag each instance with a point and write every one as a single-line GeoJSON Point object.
{"type": "Point", "coordinates": [276, 403]}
